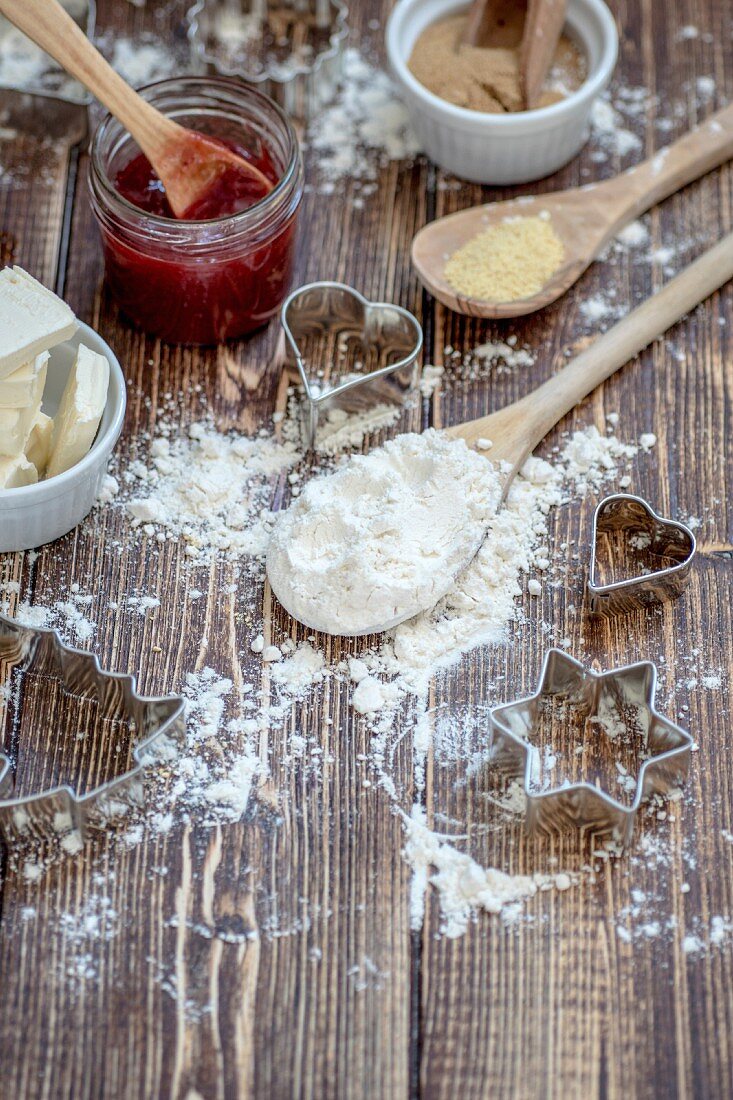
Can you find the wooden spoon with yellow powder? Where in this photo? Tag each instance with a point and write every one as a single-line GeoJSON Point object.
{"type": "Point", "coordinates": [506, 259]}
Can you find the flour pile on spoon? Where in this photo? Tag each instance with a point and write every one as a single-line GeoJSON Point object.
{"type": "Point", "coordinates": [385, 536]}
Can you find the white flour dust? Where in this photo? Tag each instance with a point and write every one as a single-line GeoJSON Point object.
{"type": "Point", "coordinates": [365, 126]}
{"type": "Point", "coordinates": [213, 491]}
{"type": "Point", "coordinates": [208, 489]}
{"type": "Point", "coordinates": [464, 887]}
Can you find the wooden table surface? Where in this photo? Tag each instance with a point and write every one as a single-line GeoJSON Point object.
{"type": "Point", "coordinates": [344, 999]}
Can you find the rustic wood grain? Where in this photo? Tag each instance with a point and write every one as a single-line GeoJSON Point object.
{"type": "Point", "coordinates": [194, 996]}
{"type": "Point", "coordinates": [564, 1007]}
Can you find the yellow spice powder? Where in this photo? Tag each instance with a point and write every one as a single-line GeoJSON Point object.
{"type": "Point", "coordinates": [508, 261]}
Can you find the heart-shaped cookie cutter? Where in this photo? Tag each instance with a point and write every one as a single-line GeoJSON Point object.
{"type": "Point", "coordinates": [351, 353]}
{"type": "Point", "coordinates": [667, 539]}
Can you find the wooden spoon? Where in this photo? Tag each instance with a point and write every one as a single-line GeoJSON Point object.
{"type": "Point", "coordinates": [531, 26]}
{"type": "Point", "coordinates": [584, 218]}
{"type": "Point", "coordinates": [495, 24]}
{"type": "Point", "coordinates": [188, 164]}
{"type": "Point", "coordinates": [516, 431]}
{"type": "Point", "coordinates": [542, 29]}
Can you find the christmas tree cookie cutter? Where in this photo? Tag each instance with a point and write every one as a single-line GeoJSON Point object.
{"type": "Point", "coordinates": [157, 724]}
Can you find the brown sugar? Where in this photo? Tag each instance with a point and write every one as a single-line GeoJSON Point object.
{"type": "Point", "coordinates": [487, 79]}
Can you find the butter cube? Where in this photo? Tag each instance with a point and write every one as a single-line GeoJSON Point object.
{"type": "Point", "coordinates": [16, 391]}
{"type": "Point", "coordinates": [16, 472]}
{"type": "Point", "coordinates": [32, 319]}
{"type": "Point", "coordinates": [38, 447]}
{"type": "Point", "coordinates": [15, 427]}
{"type": "Point", "coordinates": [16, 424]}
{"type": "Point", "coordinates": [80, 411]}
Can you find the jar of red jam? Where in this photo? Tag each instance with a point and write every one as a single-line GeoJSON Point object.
{"type": "Point", "coordinates": [204, 281]}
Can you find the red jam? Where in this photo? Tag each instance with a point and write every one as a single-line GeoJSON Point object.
{"type": "Point", "coordinates": [225, 269]}
{"type": "Point", "coordinates": [233, 192]}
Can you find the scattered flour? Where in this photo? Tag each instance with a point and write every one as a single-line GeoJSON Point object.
{"type": "Point", "coordinates": [26, 66]}
{"type": "Point", "coordinates": [213, 774]}
{"type": "Point", "coordinates": [64, 615]}
{"type": "Point", "coordinates": [463, 886]}
{"type": "Point", "coordinates": [589, 458]}
{"type": "Point", "coordinates": [634, 235]}
{"type": "Point", "coordinates": [139, 60]}
{"type": "Point", "coordinates": [209, 489]}
{"type": "Point", "coordinates": [431, 379]}
{"type": "Point", "coordinates": [142, 59]}
{"type": "Point", "coordinates": [364, 127]}
{"type": "Point", "coordinates": [340, 430]}
{"type": "Point", "coordinates": [230, 720]}
{"type": "Point", "coordinates": [609, 131]}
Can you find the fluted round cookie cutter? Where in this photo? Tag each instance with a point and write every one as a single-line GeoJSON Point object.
{"type": "Point", "coordinates": [158, 723]}
{"type": "Point", "coordinates": [300, 87]}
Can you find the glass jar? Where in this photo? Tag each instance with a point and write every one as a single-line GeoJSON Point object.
{"type": "Point", "coordinates": [201, 282]}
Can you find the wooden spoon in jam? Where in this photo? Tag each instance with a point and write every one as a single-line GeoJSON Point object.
{"type": "Point", "coordinates": [188, 164]}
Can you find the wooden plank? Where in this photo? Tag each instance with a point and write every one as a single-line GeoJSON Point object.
{"type": "Point", "coordinates": [561, 1005]}
{"type": "Point", "coordinates": [273, 957]}
{"type": "Point", "coordinates": [311, 994]}
{"type": "Point", "coordinates": [37, 143]}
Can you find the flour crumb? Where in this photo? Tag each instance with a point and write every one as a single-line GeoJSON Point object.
{"type": "Point", "coordinates": [363, 128]}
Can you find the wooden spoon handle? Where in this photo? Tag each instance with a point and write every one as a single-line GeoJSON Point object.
{"type": "Point", "coordinates": [623, 341]}
{"type": "Point", "coordinates": [542, 30]}
{"type": "Point", "coordinates": [526, 423]}
{"type": "Point", "coordinates": [706, 147]}
{"type": "Point", "coordinates": [487, 22]}
{"type": "Point", "coordinates": [51, 27]}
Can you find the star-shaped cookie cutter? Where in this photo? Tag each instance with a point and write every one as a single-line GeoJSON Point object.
{"type": "Point", "coordinates": [667, 539]}
{"type": "Point", "coordinates": [156, 723]}
{"type": "Point", "coordinates": [621, 701]}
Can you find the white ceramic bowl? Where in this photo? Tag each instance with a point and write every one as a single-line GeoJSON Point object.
{"type": "Point", "coordinates": [35, 514]}
{"type": "Point", "coordinates": [502, 148]}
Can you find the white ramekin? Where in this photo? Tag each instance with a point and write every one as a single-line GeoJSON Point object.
{"type": "Point", "coordinates": [502, 148]}
{"type": "Point", "coordinates": [35, 514]}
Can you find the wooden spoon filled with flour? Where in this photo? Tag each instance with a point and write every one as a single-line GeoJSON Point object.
{"type": "Point", "coordinates": [385, 536]}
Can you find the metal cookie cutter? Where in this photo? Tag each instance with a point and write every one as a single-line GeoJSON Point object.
{"type": "Point", "coordinates": [292, 49]}
{"type": "Point", "coordinates": [157, 724]}
{"type": "Point", "coordinates": [619, 704]}
{"type": "Point", "coordinates": [18, 56]}
{"type": "Point", "coordinates": [666, 541]}
{"type": "Point", "coordinates": [351, 353]}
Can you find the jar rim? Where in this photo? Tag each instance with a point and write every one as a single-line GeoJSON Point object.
{"type": "Point", "coordinates": [243, 216]}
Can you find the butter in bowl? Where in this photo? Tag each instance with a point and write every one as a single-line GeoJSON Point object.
{"type": "Point", "coordinates": [62, 401]}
